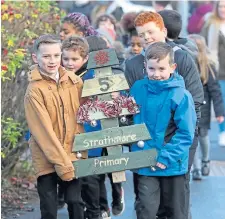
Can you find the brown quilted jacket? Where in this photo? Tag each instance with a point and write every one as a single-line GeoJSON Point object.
{"type": "Point", "coordinates": [51, 110]}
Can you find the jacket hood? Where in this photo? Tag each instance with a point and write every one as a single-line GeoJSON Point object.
{"type": "Point", "coordinates": [157, 86]}
{"type": "Point", "coordinates": [190, 44]}
{"type": "Point", "coordinates": [187, 45]}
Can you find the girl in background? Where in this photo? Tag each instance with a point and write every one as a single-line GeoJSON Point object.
{"type": "Point", "coordinates": [76, 24]}
{"type": "Point", "coordinates": [212, 92]}
{"type": "Point", "coordinates": [214, 32]}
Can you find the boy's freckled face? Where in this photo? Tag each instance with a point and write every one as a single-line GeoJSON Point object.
{"type": "Point", "coordinates": [48, 58]}
{"type": "Point", "coordinates": [159, 69]}
{"type": "Point", "coordinates": [150, 33]}
{"type": "Point", "coordinates": [72, 60]}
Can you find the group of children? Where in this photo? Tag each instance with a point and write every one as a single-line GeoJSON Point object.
{"type": "Point", "coordinates": [164, 82]}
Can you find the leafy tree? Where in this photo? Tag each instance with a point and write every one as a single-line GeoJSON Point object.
{"type": "Point", "coordinates": [22, 23]}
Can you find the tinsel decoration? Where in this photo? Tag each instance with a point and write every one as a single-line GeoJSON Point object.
{"type": "Point", "coordinates": [110, 109]}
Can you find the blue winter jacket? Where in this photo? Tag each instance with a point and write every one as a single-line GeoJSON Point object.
{"type": "Point", "coordinates": [159, 101]}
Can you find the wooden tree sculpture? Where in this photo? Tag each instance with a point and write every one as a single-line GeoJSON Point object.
{"type": "Point", "coordinates": [100, 106]}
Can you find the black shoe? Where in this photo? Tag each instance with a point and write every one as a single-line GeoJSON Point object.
{"type": "Point", "coordinates": [205, 168]}
{"type": "Point", "coordinates": [196, 174]}
{"type": "Point", "coordinates": [118, 207]}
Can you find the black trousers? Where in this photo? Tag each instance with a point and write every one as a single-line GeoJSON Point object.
{"type": "Point", "coordinates": [92, 188]}
{"type": "Point", "coordinates": [162, 212]}
{"type": "Point", "coordinates": [47, 190]}
{"type": "Point", "coordinates": [95, 196]}
{"type": "Point", "coordinates": [171, 191]}
{"type": "Point", "coordinates": [104, 206]}
{"type": "Point", "coordinates": [116, 190]}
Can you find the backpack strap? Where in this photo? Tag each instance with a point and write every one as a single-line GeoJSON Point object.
{"type": "Point", "coordinates": [175, 48]}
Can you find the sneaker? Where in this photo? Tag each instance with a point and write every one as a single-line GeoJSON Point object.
{"type": "Point", "coordinates": [105, 214]}
{"type": "Point", "coordinates": [205, 168]}
{"type": "Point", "coordinates": [118, 208]}
{"type": "Point", "coordinates": [222, 139]}
{"type": "Point", "coordinates": [196, 174]}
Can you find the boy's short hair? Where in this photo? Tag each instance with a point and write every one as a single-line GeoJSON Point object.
{"type": "Point", "coordinates": [146, 17]}
{"type": "Point", "coordinates": [106, 17]}
{"type": "Point", "coordinates": [75, 43]}
{"type": "Point", "coordinates": [160, 51]}
{"type": "Point", "coordinates": [45, 39]}
{"type": "Point", "coordinates": [173, 23]}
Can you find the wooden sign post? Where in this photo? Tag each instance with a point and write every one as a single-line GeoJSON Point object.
{"type": "Point", "coordinates": [102, 107]}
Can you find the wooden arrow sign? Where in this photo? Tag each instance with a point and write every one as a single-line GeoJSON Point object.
{"type": "Point", "coordinates": [111, 137]}
{"type": "Point", "coordinates": [118, 162]}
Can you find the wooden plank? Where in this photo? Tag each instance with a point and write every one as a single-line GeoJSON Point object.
{"type": "Point", "coordinates": [102, 58]}
{"type": "Point", "coordinates": [112, 122]}
{"type": "Point", "coordinates": [119, 177]}
{"type": "Point", "coordinates": [118, 162]}
{"type": "Point", "coordinates": [102, 72]}
{"type": "Point", "coordinates": [103, 85]}
{"type": "Point", "coordinates": [111, 137]}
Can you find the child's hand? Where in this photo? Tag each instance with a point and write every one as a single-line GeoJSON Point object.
{"type": "Point", "coordinates": [161, 166]}
{"type": "Point", "coordinates": [114, 95]}
{"type": "Point", "coordinates": [220, 119]}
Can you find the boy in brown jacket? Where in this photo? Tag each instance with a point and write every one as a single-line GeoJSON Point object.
{"type": "Point", "coordinates": [51, 103]}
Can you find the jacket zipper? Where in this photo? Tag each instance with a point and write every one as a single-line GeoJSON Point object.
{"type": "Point", "coordinates": [64, 124]}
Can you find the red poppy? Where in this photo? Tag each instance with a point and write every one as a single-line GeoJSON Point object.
{"type": "Point", "coordinates": [4, 68]}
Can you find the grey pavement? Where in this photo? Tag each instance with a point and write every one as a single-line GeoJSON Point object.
{"type": "Point", "coordinates": [207, 196]}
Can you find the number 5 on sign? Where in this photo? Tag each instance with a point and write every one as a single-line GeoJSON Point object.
{"type": "Point", "coordinates": [102, 85]}
{"type": "Point", "coordinates": [105, 83]}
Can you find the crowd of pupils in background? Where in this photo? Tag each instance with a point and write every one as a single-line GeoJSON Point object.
{"type": "Point", "coordinates": [211, 68]}
{"type": "Point", "coordinates": [207, 32]}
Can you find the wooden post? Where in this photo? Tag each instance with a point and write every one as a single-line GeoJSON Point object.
{"type": "Point", "coordinates": [114, 150]}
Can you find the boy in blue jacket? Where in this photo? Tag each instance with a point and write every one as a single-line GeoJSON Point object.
{"type": "Point", "coordinates": [164, 102]}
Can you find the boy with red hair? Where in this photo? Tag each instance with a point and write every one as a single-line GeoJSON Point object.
{"type": "Point", "coordinates": [151, 28]}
